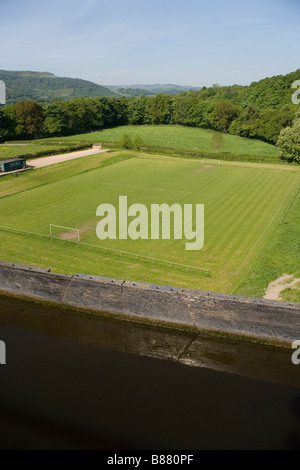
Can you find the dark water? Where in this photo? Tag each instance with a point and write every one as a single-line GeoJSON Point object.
{"type": "Point", "coordinates": [77, 382]}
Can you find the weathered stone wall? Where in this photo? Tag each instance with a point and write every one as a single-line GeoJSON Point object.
{"type": "Point", "coordinates": [256, 361]}
{"type": "Point", "coordinates": [264, 320]}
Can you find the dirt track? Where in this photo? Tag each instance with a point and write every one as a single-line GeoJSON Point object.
{"type": "Point", "coordinates": [275, 287]}
{"type": "Point", "coordinates": [45, 161]}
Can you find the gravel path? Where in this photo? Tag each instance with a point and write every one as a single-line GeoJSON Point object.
{"type": "Point", "coordinates": [275, 287]}
{"type": "Point", "coordinates": [45, 161]}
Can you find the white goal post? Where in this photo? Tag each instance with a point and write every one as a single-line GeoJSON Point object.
{"type": "Point", "coordinates": [65, 231]}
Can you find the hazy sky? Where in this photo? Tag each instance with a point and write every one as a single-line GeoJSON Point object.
{"type": "Point", "coordinates": [187, 42]}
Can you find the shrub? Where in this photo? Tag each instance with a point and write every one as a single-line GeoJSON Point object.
{"type": "Point", "coordinates": [289, 141]}
{"type": "Point", "coordinates": [137, 142]}
{"type": "Point", "coordinates": [125, 142]}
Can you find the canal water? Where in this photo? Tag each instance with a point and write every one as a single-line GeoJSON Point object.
{"type": "Point", "coordinates": [76, 381]}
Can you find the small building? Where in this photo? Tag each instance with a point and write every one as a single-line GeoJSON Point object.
{"type": "Point", "coordinates": [12, 164]}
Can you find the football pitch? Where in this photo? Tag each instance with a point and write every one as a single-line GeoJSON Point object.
{"type": "Point", "coordinates": [243, 204]}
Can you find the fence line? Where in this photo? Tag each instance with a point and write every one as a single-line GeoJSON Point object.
{"type": "Point", "coordinates": [291, 202]}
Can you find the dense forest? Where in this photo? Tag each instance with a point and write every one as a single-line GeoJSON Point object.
{"type": "Point", "coordinates": [261, 111]}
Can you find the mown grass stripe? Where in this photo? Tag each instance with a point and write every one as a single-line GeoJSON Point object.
{"type": "Point", "coordinates": [240, 204]}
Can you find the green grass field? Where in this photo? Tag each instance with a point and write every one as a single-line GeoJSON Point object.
{"type": "Point", "coordinates": [181, 138]}
{"type": "Point", "coordinates": [35, 149]}
{"type": "Point", "coordinates": [243, 206]}
{"type": "Point", "coordinates": [17, 150]}
{"type": "Point", "coordinates": [281, 255]}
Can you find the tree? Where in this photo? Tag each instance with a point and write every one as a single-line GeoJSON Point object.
{"type": "Point", "coordinates": [10, 126]}
{"type": "Point", "coordinates": [125, 142]}
{"type": "Point", "coordinates": [217, 141]}
{"type": "Point", "coordinates": [135, 111]}
{"type": "Point", "coordinates": [289, 141]}
{"type": "Point", "coordinates": [119, 111]}
{"type": "Point", "coordinates": [56, 119]}
{"type": "Point", "coordinates": [223, 114]}
{"type": "Point", "coordinates": [162, 109]}
{"type": "Point", "coordinates": [31, 116]}
{"type": "Point", "coordinates": [139, 110]}
{"type": "Point", "coordinates": [137, 142]}
{"type": "Point", "coordinates": [184, 109]}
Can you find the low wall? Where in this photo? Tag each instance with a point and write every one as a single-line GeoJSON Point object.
{"type": "Point", "coordinates": [259, 319]}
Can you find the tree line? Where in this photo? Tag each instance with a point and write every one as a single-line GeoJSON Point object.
{"type": "Point", "coordinates": [260, 111]}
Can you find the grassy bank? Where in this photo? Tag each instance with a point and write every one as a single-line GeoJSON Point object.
{"type": "Point", "coordinates": [184, 141]}
{"type": "Point", "coordinates": [280, 256]}
{"type": "Point", "coordinates": [35, 149]}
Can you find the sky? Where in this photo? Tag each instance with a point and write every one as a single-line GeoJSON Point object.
{"type": "Point", "coordinates": [126, 42]}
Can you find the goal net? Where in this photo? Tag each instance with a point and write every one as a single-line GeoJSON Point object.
{"type": "Point", "coordinates": [64, 233]}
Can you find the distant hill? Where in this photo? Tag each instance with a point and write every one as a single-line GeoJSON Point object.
{"type": "Point", "coordinates": [44, 87]}
{"type": "Point", "coordinates": [152, 90]}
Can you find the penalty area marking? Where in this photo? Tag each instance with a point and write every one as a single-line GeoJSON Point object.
{"type": "Point", "coordinates": [76, 230]}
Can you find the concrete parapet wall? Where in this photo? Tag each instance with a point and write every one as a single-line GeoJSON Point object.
{"type": "Point", "coordinates": [263, 320]}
